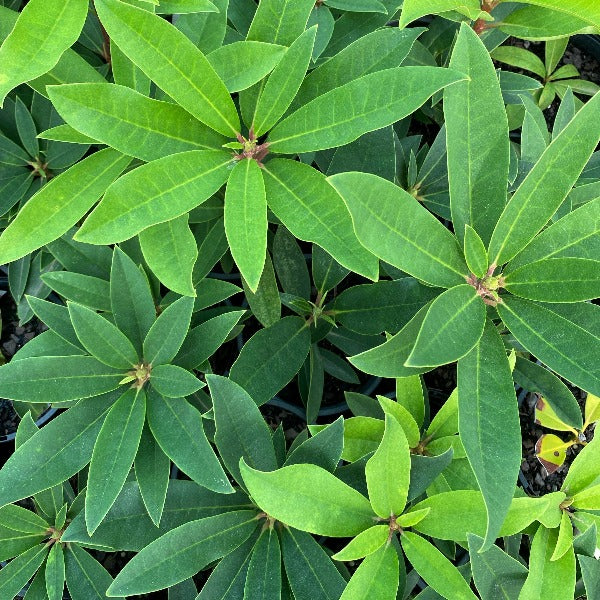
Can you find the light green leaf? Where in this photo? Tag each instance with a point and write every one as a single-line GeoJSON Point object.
{"type": "Point", "coordinates": [161, 51]}
{"type": "Point", "coordinates": [60, 204]}
{"type": "Point", "coordinates": [323, 505]}
{"type": "Point", "coordinates": [403, 416]}
{"type": "Point", "coordinates": [565, 337]}
{"type": "Point", "coordinates": [365, 543]}
{"type": "Point", "coordinates": [546, 185]}
{"type": "Point", "coordinates": [586, 10]}
{"type": "Point", "coordinates": [395, 227]}
{"type": "Point", "coordinates": [246, 220]}
{"type": "Point", "coordinates": [59, 378]}
{"type": "Point", "coordinates": [376, 577]}
{"type": "Point", "coordinates": [171, 251]}
{"type": "Point", "coordinates": [487, 402]}
{"type": "Point", "coordinates": [435, 568]}
{"type": "Point", "coordinates": [312, 210]}
{"type": "Point", "coordinates": [113, 455]}
{"type": "Point", "coordinates": [477, 139]}
{"type": "Point", "coordinates": [43, 31]}
{"type": "Point", "coordinates": [452, 326]}
{"type": "Point", "coordinates": [583, 470]}
{"type": "Point", "coordinates": [388, 471]}
{"type": "Point", "coordinates": [414, 9]}
{"type": "Point", "coordinates": [280, 21]}
{"type": "Point", "coordinates": [520, 58]}
{"type": "Point", "coordinates": [564, 543]}
{"type": "Point", "coordinates": [372, 102]}
{"type": "Point", "coordinates": [183, 551]}
{"type": "Point", "coordinates": [270, 358]}
{"type": "Point", "coordinates": [131, 122]}
{"type": "Point", "coordinates": [177, 427]}
{"type": "Point", "coordinates": [283, 83]}
{"type": "Point", "coordinates": [163, 341]}
{"type": "Point", "coordinates": [475, 253]}
{"type": "Point", "coordinates": [242, 64]}
{"type": "Point", "coordinates": [556, 280]}
{"type": "Point", "coordinates": [55, 572]}
{"type": "Point", "coordinates": [169, 7]}
{"type": "Point", "coordinates": [154, 193]}
{"type": "Point", "coordinates": [101, 338]}
{"type": "Point", "coordinates": [547, 578]}
{"type": "Point", "coordinates": [62, 448]}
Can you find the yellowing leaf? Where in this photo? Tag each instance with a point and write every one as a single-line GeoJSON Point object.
{"type": "Point", "coordinates": [551, 451]}
{"type": "Point", "coordinates": [546, 417]}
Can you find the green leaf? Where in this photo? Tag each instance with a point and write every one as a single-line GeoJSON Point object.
{"type": "Point", "coordinates": [546, 185]}
{"type": "Point", "coordinates": [283, 83]}
{"type": "Point", "coordinates": [185, 6]}
{"type": "Point", "coordinates": [60, 204]}
{"type": "Point", "coordinates": [264, 572]}
{"type": "Point", "coordinates": [154, 193]}
{"type": "Point", "coordinates": [590, 574]}
{"type": "Point", "coordinates": [131, 301]}
{"type": "Point", "coordinates": [395, 227]}
{"type": "Point", "coordinates": [174, 382]}
{"type": "Point", "coordinates": [246, 220]}
{"type": "Point", "coordinates": [129, 121]}
{"type": "Point", "coordinates": [152, 470]}
{"type": "Point", "coordinates": [453, 325]}
{"type": "Point", "coordinates": [414, 9]}
{"type": "Point", "coordinates": [242, 64]}
{"type": "Point", "coordinates": [84, 289]}
{"type": "Point", "coordinates": [322, 505]}
{"type": "Point", "coordinates": [564, 542]}
{"type": "Point", "coordinates": [280, 21]}
{"type": "Point", "coordinates": [56, 317]}
{"type": "Point", "coordinates": [160, 50]}
{"type": "Point", "coordinates": [241, 430]}
{"type": "Point", "coordinates": [535, 378]}
{"type": "Point", "coordinates": [520, 58]}
{"type": "Point", "coordinates": [20, 570]}
{"type": "Point", "coordinates": [170, 250]}
{"type": "Point", "coordinates": [270, 358]}
{"type": "Point", "coordinates": [183, 551]}
{"type": "Point", "coordinates": [177, 427]}
{"type": "Point", "coordinates": [435, 568]}
{"type": "Point", "coordinates": [309, 570]}
{"type": "Point", "coordinates": [312, 210]}
{"type": "Point", "coordinates": [565, 337]}
{"type": "Point", "coordinates": [388, 471]}
{"type": "Point", "coordinates": [358, 5]}
{"type": "Point", "coordinates": [87, 579]}
{"type": "Point", "coordinates": [388, 360]}
{"type": "Point", "coordinates": [55, 572]}
{"type": "Point", "coordinates": [101, 338]}
{"type": "Point", "coordinates": [547, 578]}
{"type": "Point", "coordinates": [365, 543]}
{"type": "Point", "coordinates": [574, 235]}
{"type": "Point", "coordinates": [372, 101]}
{"type": "Point", "coordinates": [33, 47]}
{"type": "Point", "coordinates": [376, 577]}
{"type": "Point", "coordinates": [113, 455]}
{"type": "Point", "coordinates": [202, 341]}
{"type": "Point", "coordinates": [495, 572]}
{"type": "Point", "coordinates": [556, 280]}
{"type": "Point", "coordinates": [377, 50]}
{"type": "Point", "coordinates": [163, 341]}
{"type": "Point", "coordinates": [475, 252]}
{"type": "Point", "coordinates": [59, 378]}
{"type": "Point", "coordinates": [477, 139]}
{"type": "Point", "coordinates": [62, 448]}
{"type": "Point", "coordinates": [323, 449]}
{"type": "Point", "coordinates": [486, 405]}
{"type": "Point", "coordinates": [20, 529]}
